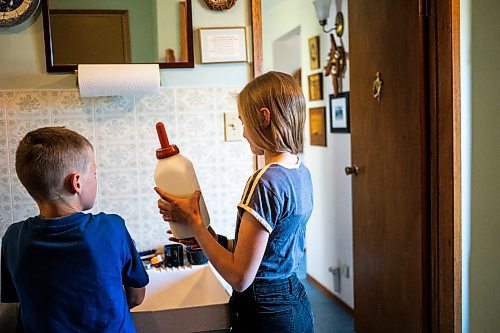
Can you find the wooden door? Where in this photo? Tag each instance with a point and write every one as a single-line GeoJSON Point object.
{"type": "Point", "coordinates": [391, 266]}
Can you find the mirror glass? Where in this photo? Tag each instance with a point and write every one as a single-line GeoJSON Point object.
{"type": "Point", "coordinates": [117, 31]}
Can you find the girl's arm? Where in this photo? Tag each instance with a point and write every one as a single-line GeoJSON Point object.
{"type": "Point", "coordinates": [238, 268]}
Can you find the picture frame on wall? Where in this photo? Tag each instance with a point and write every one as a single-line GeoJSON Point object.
{"type": "Point", "coordinates": [314, 60]}
{"type": "Point", "coordinates": [317, 126]}
{"type": "Point", "coordinates": [339, 113]}
{"type": "Point", "coordinates": [220, 45]}
{"type": "Point", "coordinates": [315, 86]}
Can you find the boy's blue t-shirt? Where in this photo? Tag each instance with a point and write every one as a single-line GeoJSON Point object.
{"type": "Point", "coordinates": [281, 199]}
{"type": "Point", "coordinates": [68, 273]}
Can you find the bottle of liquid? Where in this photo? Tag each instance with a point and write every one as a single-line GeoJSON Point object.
{"type": "Point", "coordinates": [175, 175]}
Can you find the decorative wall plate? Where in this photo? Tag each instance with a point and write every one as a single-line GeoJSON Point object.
{"type": "Point", "coordinates": [220, 4]}
{"type": "Point", "coordinates": [13, 12]}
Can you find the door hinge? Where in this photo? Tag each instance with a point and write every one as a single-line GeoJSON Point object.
{"type": "Point", "coordinates": [424, 8]}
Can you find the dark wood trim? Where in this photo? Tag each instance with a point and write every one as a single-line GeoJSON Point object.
{"type": "Point", "coordinates": [256, 18]}
{"type": "Point", "coordinates": [331, 295]}
{"type": "Point", "coordinates": [445, 163]}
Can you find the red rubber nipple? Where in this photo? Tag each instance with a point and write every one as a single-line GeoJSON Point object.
{"type": "Point", "coordinates": [166, 149]}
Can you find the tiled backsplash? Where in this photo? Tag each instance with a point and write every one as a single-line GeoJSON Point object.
{"type": "Point", "coordinates": [122, 130]}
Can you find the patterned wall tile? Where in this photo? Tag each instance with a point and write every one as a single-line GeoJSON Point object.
{"type": "Point", "coordinates": [68, 103]}
{"type": "Point", "coordinates": [195, 126]}
{"type": "Point", "coordinates": [226, 98]}
{"type": "Point", "coordinates": [161, 103]}
{"type": "Point", "coordinates": [228, 201]}
{"type": "Point", "coordinates": [154, 229]}
{"type": "Point", "coordinates": [115, 127]}
{"type": "Point", "coordinates": [3, 127]}
{"type": "Point", "coordinates": [18, 128]}
{"type": "Point", "coordinates": [116, 156]}
{"type": "Point", "coordinates": [235, 153]}
{"type": "Point", "coordinates": [147, 154]}
{"type": "Point", "coordinates": [24, 210]}
{"type": "Point", "coordinates": [5, 195]}
{"type": "Point", "coordinates": [117, 183]}
{"type": "Point", "coordinates": [207, 177]}
{"type": "Point", "coordinates": [234, 176]}
{"type": "Point", "coordinates": [212, 202]}
{"type": "Point", "coordinates": [12, 159]}
{"type": "Point", "coordinates": [19, 193]}
{"type": "Point", "coordinates": [122, 130]}
{"type": "Point", "coordinates": [27, 104]}
{"type": "Point", "coordinates": [114, 106]}
{"type": "Point", "coordinates": [147, 184]}
{"type": "Point", "coordinates": [4, 160]}
{"type": "Point", "coordinates": [195, 99]}
{"type": "Point", "coordinates": [201, 153]}
{"type": "Point", "coordinates": [5, 218]}
{"type": "Point", "coordinates": [146, 127]}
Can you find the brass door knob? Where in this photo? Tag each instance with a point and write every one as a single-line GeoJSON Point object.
{"type": "Point", "coordinates": [352, 170]}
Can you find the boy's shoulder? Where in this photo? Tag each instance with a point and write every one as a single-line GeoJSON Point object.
{"type": "Point", "coordinates": [111, 219]}
{"type": "Point", "coordinates": [14, 228]}
{"type": "Point", "coordinates": [108, 216]}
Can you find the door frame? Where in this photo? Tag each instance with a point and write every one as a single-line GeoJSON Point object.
{"type": "Point", "coordinates": [442, 54]}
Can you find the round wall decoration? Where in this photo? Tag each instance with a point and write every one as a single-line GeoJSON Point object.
{"type": "Point", "coordinates": [220, 4]}
{"type": "Point", "coordinates": [13, 12]}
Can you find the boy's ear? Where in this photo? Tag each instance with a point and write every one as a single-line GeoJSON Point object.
{"type": "Point", "coordinates": [73, 183]}
{"type": "Point", "coordinates": [266, 116]}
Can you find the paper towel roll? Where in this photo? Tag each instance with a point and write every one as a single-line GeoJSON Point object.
{"type": "Point", "coordinates": [118, 80]}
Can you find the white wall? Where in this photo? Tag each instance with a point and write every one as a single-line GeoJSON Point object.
{"type": "Point", "coordinates": [485, 207]}
{"type": "Point", "coordinates": [329, 233]}
{"type": "Point", "coordinates": [286, 53]}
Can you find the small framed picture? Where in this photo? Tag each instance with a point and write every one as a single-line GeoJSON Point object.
{"type": "Point", "coordinates": [314, 52]}
{"type": "Point", "coordinates": [317, 126]}
{"type": "Point", "coordinates": [339, 113]}
{"type": "Point", "coordinates": [315, 86]}
{"type": "Point", "coordinates": [223, 45]}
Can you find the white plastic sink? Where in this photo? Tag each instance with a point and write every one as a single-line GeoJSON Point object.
{"type": "Point", "coordinates": [186, 299]}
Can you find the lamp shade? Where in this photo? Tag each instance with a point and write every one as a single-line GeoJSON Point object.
{"type": "Point", "coordinates": [322, 9]}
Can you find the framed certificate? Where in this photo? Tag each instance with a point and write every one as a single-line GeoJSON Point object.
{"type": "Point", "coordinates": [223, 45]}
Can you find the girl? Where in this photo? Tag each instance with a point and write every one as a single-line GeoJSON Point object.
{"type": "Point", "coordinates": [276, 204]}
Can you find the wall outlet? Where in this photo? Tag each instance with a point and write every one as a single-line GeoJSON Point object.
{"type": "Point", "coordinates": [233, 130]}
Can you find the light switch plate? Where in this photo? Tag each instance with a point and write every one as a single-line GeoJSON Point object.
{"type": "Point", "coordinates": [233, 130]}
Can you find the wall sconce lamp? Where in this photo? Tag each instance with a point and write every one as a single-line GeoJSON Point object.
{"type": "Point", "coordinates": [322, 12]}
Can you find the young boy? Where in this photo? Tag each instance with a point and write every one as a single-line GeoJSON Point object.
{"type": "Point", "coordinates": [70, 271]}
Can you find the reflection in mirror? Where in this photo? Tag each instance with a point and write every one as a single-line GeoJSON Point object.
{"type": "Point", "coordinates": [117, 31]}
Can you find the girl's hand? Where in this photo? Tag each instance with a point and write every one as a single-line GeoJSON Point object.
{"type": "Point", "coordinates": [180, 210]}
{"type": "Point", "coordinates": [192, 242]}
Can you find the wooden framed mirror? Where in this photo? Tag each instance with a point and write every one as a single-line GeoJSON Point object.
{"type": "Point", "coordinates": [117, 31]}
